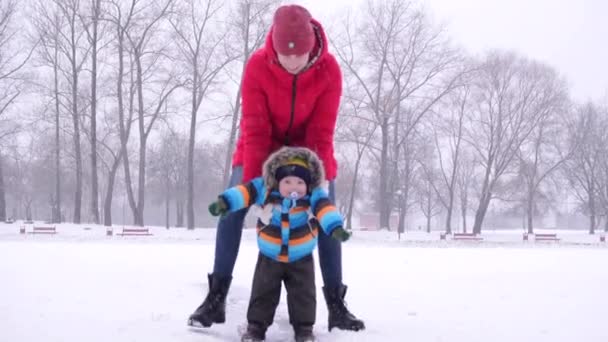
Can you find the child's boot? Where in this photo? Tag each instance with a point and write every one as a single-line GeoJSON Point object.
{"type": "Point", "coordinates": [304, 333]}
{"type": "Point", "coordinates": [255, 333]}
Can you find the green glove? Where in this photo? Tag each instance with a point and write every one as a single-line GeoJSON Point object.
{"type": "Point", "coordinates": [219, 207]}
{"type": "Point", "coordinates": [340, 234]}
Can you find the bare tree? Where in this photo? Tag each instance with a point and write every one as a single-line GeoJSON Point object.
{"type": "Point", "coordinates": [91, 24]}
{"type": "Point", "coordinates": [70, 46]}
{"type": "Point", "coordinates": [543, 154]}
{"type": "Point", "coordinates": [512, 96]}
{"type": "Point", "coordinates": [464, 179]}
{"type": "Point", "coordinates": [140, 27]}
{"type": "Point", "coordinates": [404, 64]}
{"type": "Point", "coordinates": [354, 129]}
{"type": "Point", "coordinates": [167, 167]}
{"type": "Point", "coordinates": [201, 45]}
{"type": "Point", "coordinates": [603, 142]}
{"type": "Point", "coordinates": [430, 205]}
{"type": "Point", "coordinates": [47, 23]}
{"type": "Point", "coordinates": [448, 131]}
{"type": "Point", "coordinates": [583, 169]}
{"type": "Point", "coordinates": [251, 24]}
{"type": "Point", "coordinates": [12, 61]}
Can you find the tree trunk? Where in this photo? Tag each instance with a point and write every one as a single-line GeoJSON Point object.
{"type": "Point", "coordinates": [28, 210]}
{"type": "Point", "coordinates": [107, 207]}
{"type": "Point", "coordinates": [138, 214]}
{"type": "Point", "coordinates": [480, 214]}
{"type": "Point", "coordinates": [124, 132]}
{"type": "Point", "coordinates": [2, 193]}
{"type": "Point", "coordinates": [353, 191]}
{"type": "Point", "coordinates": [167, 203]}
{"type": "Point", "coordinates": [448, 218]}
{"type": "Point", "coordinates": [402, 212]}
{"type": "Point", "coordinates": [57, 214]}
{"type": "Point", "coordinates": [237, 104]}
{"type": "Point", "coordinates": [76, 123]}
{"type": "Point", "coordinates": [94, 176]}
{"type": "Point", "coordinates": [592, 214]}
{"type": "Point", "coordinates": [463, 212]}
{"type": "Point", "coordinates": [530, 213]}
{"type": "Point", "coordinates": [383, 190]}
{"type": "Point", "coordinates": [484, 201]}
{"type": "Point", "coordinates": [428, 213]}
{"type": "Point", "coordinates": [179, 208]}
{"type": "Point", "coordinates": [191, 142]}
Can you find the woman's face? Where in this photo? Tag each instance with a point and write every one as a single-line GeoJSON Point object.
{"type": "Point", "coordinates": [293, 63]}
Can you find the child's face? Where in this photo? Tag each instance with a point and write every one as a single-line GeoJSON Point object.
{"type": "Point", "coordinates": [291, 184]}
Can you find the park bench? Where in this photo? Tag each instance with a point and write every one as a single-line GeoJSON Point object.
{"type": "Point", "coordinates": [135, 232]}
{"type": "Point", "coordinates": [462, 237]}
{"type": "Point", "coordinates": [44, 230]}
{"type": "Point", "coordinates": [542, 237]}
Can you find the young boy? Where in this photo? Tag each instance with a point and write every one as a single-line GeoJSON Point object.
{"type": "Point", "coordinates": [293, 206]}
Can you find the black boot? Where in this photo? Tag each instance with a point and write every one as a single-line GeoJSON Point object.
{"type": "Point", "coordinates": [255, 333]}
{"type": "Point", "coordinates": [339, 316]}
{"type": "Point", "coordinates": [213, 309]}
{"type": "Point", "coordinates": [304, 333]}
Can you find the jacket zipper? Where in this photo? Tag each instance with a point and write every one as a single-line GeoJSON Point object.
{"type": "Point", "coordinates": [293, 109]}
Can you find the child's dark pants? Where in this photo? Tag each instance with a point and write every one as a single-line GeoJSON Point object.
{"type": "Point", "coordinates": [299, 279]}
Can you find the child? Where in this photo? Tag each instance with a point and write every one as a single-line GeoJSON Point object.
{"type": "Point", "coordinates": [293, 206]}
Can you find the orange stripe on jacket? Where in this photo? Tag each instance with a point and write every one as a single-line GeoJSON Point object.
{"type": "Point", "coordinates": [268, 238]}
{"type": "Point", "coordinates": [245, 194]}
{"type": "Point", "coordinates": [298, 209]}
{"type": "Point", "coordinates": [324, 211]}
{"type": "Point", "coordinates": [303, 239]}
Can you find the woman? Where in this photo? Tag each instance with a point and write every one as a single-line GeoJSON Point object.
{"type": "Point", "coordinates": [291, 94]}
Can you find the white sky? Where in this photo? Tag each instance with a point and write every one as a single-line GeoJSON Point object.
{"type": "Point", "coordinates": [571, 36]}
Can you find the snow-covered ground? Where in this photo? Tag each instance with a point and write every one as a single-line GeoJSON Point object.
{"type": "Point", "coordinates": [81, 285]}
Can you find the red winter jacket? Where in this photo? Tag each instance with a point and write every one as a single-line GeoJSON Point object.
{"type": "Point", "coordinates": [284, 109]}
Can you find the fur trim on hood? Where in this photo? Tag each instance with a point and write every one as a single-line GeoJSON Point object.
{"type": "Point", "coordinates": [283, 155]}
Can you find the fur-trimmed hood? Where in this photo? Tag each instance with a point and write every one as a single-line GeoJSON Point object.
{"type": "Point", "coordinates": [284, 154]}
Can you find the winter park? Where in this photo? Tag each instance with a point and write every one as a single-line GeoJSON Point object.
{"type": "Point", "coordinates": [264, 170]}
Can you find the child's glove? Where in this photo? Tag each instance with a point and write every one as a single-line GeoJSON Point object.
{"type": "Point", "coordinates": [219, 207]}
{"type": "Point", "coordinates": [340, 234]}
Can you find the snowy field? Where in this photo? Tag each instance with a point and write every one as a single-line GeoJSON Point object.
{"type": "Point", "coordinates": [80, 285]}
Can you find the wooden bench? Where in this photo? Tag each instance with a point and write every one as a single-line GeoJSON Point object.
{"type": "Point", "coordinates": [542, 237]}
{"type": "Point", "coordinates": [135, 232]}
{"type": "Point", "coordinates": [462, 236]}
{"type": "Point", "coordinates": [467, 236]}
{"type": "Point", "coordinates": [44, 230]}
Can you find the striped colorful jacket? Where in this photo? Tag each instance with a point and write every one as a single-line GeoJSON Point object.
{"type": "Point", "coordinates": [287, 229]}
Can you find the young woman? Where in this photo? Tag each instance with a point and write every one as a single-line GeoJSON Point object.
{"type": "Point", "coordinates": [291, 94]}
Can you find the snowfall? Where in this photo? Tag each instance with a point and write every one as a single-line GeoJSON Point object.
{"type": "Point", "coordinates": [82, 285]}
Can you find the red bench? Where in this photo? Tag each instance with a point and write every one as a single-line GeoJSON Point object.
{"type": "Point", "coordinates": [542, 237]}
{"type": "Point", "coordinates": [462, 236]}
{"type": "Point", "coordinates": [44, 230]}
{"type": "Point", "coordinates": [135, 232]}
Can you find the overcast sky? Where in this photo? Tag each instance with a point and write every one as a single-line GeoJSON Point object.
{"type": "Point", "coordinates": [571, 36]}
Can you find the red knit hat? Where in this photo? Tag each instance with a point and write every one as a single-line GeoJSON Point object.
{"type": "Point", "coordinates": [292, 30]}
